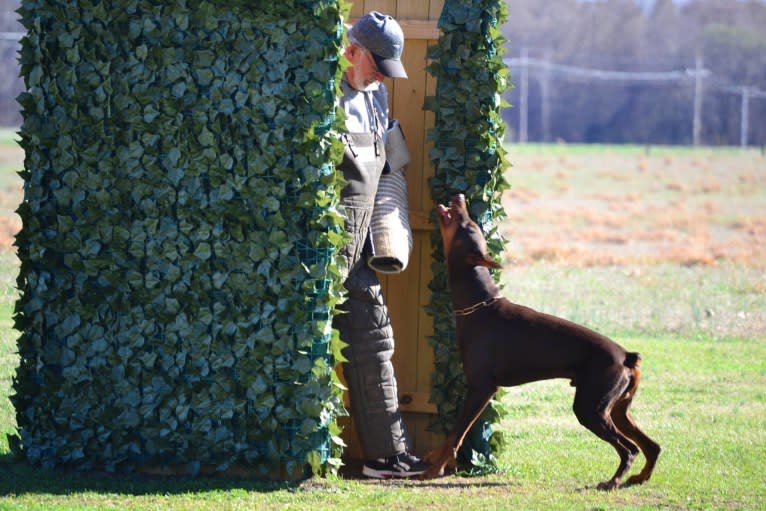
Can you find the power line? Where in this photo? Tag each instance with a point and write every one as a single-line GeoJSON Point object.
{"type": "Point", "coordinates": [600, 74]}
{"type": "Point", "coordinates": [11, 36]}
{"type": "Point", "coordinates": [701, 77]}
{"type": "Point", "coordinates": [589, 74]}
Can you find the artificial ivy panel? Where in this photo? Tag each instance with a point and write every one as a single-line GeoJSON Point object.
{"type": "Point", "coordinates": [468, 157]}
{"type": "Point", "coordinates": [177, 272]}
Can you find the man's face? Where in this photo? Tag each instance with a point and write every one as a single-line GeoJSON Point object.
{"type": "Point", "coordinates": [363, 71]}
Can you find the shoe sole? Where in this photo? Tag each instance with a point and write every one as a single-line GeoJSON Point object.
{"type": "Point", "coordinates": [388, 474]}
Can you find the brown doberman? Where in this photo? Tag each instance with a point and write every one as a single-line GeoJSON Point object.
{"type": "Point", "coordinates": [503, 344]}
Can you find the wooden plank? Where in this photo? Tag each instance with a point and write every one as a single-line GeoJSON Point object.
{"type": "Point", "coordinates": [350, 436]}
{"type": "Point", "coordinates": [425, 322]}
{"type": "Point", "coordinates": [435, 8]}
{"type": "Point", "coordinates": [416, 402]}
{"type": "Point", "coordinates": [414, 30]}
{"type": "Point", "coordinates": [404, 9]}
{"type": "Point", "coordinates": [384, 6]}
{"type": "Point", "coordinates": [419, 221]}
{"type": "Point", "coordinates": [407, 101]}
{"type": "Point", "coordinates": [403, 309]}
{"type": "Point", "coordinates": [423, 440]}
{"type": "Point", "coordinates": [357, 10]}
{"type": "Point", "coordinates": [419, 29]}
{"type": "Point", "coordinates": [409, 96]}
{"type": "Point", "coordinates": [424, 230]}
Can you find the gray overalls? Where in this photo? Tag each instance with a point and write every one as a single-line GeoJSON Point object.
{"type": "Point", "coordinates": [364, 323]}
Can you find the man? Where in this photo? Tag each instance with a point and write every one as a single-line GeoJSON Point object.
{"type": "Point", "coordinates": [375, 46]}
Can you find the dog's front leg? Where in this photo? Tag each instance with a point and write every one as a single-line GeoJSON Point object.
{"type": "Point", "coordinates": [476, 400]}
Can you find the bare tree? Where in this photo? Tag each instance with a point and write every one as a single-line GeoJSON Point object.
{"type": "Point", "coordinates": [11, 84]}
{"type": "Point", "coordinates": [621, 35]}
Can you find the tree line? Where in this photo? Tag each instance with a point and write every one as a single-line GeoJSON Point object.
{"type": "Point", "coordinates": [725, 36]}
{"type": "Point", "coordinates": [11, 84]}
{"type": "Point", "coordinates": [616, 35]}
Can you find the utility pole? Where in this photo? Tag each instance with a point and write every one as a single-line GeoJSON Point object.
{"type": "Point", "coordinates": [697, 122]}
{"type": "Point", "coordinates": [524, 97]}
{"type": "Point", "coordinates": [545, 97]}
{"type": "Point", "coordinates": [744, 117]}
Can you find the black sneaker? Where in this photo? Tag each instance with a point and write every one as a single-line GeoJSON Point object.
{"type": "Point", "coordinates": [401, 465]}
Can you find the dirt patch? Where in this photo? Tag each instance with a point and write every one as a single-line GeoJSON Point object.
{"type": "Point", "coordinates": [9, 227]}
{"type": "Point", "coordinates": [690, 207]}
{"type": "Point", "coordinates": [596, 208]}
{"type": "Point", "coordinates": [11, 193]}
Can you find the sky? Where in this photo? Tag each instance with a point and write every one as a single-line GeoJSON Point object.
{"type": "Point", "coordinates": [647, 4]}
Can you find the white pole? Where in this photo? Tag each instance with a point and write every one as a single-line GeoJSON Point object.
{"type": "Point", "coordinates": [745, 117]}
{"type": "Point", "coordinates": [524, 97]}
{"type": "Point", "coordinates": [697, 122]}
{"type": "Point", "coordinates": [545, 98]}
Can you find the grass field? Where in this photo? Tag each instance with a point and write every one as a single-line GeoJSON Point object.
{"type": "Point", "coordinates": [660, 248]}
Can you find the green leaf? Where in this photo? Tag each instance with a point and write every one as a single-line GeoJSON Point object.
{"type": "Point", "coordinates": [468, 158]}
{"type": "Point", "coordinates": [203, 251]}
{"type": "Point", "coordinates": [160, 220]}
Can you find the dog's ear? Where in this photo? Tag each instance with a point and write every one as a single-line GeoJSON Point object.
{"type": "Point", "coordinates": [483, 259]}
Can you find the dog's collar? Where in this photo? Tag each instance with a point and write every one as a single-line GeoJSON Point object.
{"type": "Point", "coordinates": [473, 308]}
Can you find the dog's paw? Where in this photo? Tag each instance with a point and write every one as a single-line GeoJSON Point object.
{"type": "Point", "coordinates": [635, 480]}
{"type": "Point", "coordinates": [433, 472]}
{"type": "Point", "coordinates": [608, 485]}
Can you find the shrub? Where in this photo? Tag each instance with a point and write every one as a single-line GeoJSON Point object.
{"type": "Point", "coordinates": [177, 272]}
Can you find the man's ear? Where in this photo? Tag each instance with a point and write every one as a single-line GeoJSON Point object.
{"type": "Point", "coordinates": [354, 49]}
{"type": "Point", "coordinates": [350, 51]}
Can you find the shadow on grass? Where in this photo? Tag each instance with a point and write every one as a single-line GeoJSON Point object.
{"type": "Point", "coordinates": [352, 471]}
{"type": "Point", "coordinates": [18, 478]}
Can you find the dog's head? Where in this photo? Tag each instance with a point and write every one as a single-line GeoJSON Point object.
{"type": "Point", "coordinates": [464, 244]}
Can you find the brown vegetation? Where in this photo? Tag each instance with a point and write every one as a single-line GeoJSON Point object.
{"type": "Point", "coordinates": [605, 208]}
{"type": "Point", "coordinates": [690, 208]}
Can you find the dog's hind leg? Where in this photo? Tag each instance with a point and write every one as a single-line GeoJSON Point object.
{"type": "Point", "coordinates": [626, 424]}
{"type": "Point", "coordinates": [592, 406]}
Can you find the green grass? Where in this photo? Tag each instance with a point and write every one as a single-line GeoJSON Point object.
{"type": "Point", "coordinates": [695, 302]}
{"type": "Point", "coordinates": [704, 401]}
{"type": "Point", "coordinates": [625, 149]}
{"type": "Point", "coordinates": [700, 330]}
{"type": "Point", "coordinates": [8, 352]}
{"type": "Point", "coordinates": [11, 158]}
{"type": "Point", "coordinates": [8, 137]}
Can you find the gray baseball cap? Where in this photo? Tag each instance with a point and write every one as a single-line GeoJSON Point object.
{"type": "Point", "coordinates": [383, 37]}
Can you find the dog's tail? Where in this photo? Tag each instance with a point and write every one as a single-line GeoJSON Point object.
{"type": "Point", "coordinates": [633, 363]}
{"type": "Point", "coordinates": [632, 360]}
